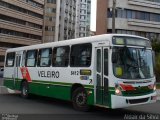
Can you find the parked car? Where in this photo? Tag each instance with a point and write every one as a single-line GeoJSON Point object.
{"type": "Point", "coordinates": [1, 72]}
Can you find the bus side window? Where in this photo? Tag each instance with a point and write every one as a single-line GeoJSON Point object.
{"type": "Point", "coordinates": [61, 56]}
{"type": "Point", "coordinates": [81, 55]}
{"type": "Point", "coordinates": [44, 57]}
{"type": "Point", "coordinates": [10, 59]}
{"type": "Point", "coordinates": [31, 58]}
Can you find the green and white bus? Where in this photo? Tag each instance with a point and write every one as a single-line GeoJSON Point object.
{"type": "Point", "coordinates": [110, 70]}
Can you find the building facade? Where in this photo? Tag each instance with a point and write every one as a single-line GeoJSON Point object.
{"type": "Point", "coordinates": [71, 19]}
{"type": "Point", "coordinates": [21, 23]}
{"type": "Point", "coordinates": [66, 17]}
{"type": "Point", "coordinates": [83, 19]}
{"type": "Point", "coordinates": [137, 17]}
{"type": "Point", "coordinates": [101, 19]}
{"type": "Point", "coordinates": [49, 21]}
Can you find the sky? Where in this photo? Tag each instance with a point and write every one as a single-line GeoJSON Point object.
{"type": "Point", "coordinates": [93, 15]}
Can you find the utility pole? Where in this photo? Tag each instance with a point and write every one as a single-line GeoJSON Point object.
{"type": "Point", "coordinates": [43, 28]}
{"type": "Point", "coordinates": [113, 15]}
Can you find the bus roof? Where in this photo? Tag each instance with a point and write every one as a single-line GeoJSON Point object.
{"type": "Point", "coordinates": [96, 38]}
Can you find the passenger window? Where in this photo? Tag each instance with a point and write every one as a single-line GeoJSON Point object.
{"type": "Point", "coordinates": [61, 56]}
{"type": "Point", "coordinates": [81, 55]}
{"type": "Point", "coordinates": [10, 59]}
{"type": "Point", "coordinates": [31, 58]}
{"type": "Point", "coordinates": [45, 57]}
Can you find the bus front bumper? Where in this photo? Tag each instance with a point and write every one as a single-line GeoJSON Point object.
{"type": "Point", "coordinates": [122, 101]}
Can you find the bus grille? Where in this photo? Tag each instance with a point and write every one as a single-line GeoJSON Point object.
{"type": "Point", "coordinates": [135, 101]}
{"type": "Point", "coordinates": [137, 92]}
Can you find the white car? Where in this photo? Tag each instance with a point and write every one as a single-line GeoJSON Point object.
{"type": "Point", "coordinates": [1, 72]}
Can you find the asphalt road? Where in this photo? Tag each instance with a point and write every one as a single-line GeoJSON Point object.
{"type": "Point", "coordinates": [42, 108]}
{"type": "Point", "coordinates": [45, 108]}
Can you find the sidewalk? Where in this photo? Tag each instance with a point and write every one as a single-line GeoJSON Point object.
{"type": "Point", "coordinates": [4, 90]}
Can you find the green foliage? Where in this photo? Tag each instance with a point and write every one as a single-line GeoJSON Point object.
{"type": "Point", "coordinates": [156, 45]}
{"type": "Point", "coordinates": [157, 68]}
{"type": "Point", "coordinates": [158, 86]}
{"type": "Point", "coordinates": [156, 48]}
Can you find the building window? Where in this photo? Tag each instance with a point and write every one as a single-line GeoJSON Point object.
{"type": "Point", "coordinates": [51, 19]}
{"type": "Point", "coordinates": [34, 4]}
{"type": "Point", "coordinates": [19, 9]}
{"type": "Point", "coordinates": [20, 34]}
{"type": "Point", "coordinates": [51, 1]}
{"type": "Point", "coordinates": [158, 1]}
{"type": "Point", "coordinates": [81, 55]}
{"type": "Point", "coordinates": [129, 14]}
{"type": "Point", "coordinates": [50, 28]}
{"type": "Point", "coordinates": [18, 21]}
{"type": "Point", "coordinates": [147, 16]}
{"type": "Point", "coordinates": [133, 14]}
{"type": "Point", "coordinates": [50, 10]}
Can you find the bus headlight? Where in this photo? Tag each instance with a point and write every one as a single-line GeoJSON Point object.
{"type": "Point", "coordinates": [118, 90]}
{"type": "Point", "coordinates": [154, 88]}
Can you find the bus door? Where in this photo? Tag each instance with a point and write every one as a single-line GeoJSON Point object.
{"type": "Point", "coordinates": [16, 68]}
{"type": "Point", "coordinates": [102, 83]}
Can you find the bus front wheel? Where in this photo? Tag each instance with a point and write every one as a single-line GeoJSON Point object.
{"type": "Point", "coordinates": [24, 90]}
{"type": "Point", "coordinates": [79, 100]}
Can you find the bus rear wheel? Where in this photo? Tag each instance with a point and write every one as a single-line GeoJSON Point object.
{"type": "Point", "coordinates": [24, 90]}
{"type": "Point", "coordinates": [79, 100]}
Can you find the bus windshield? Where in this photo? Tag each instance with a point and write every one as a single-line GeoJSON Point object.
{"type": "Point", "coordinates": [132, 63]}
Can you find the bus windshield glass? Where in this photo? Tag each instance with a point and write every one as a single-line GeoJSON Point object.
{"type": "Point", "coordinates": [132, 63]}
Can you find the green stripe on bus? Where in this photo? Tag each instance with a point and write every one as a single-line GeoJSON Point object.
{"type": "Point", "coordinates": [53, 83]}
{"type": "Point", "coordinates": [59, 91]}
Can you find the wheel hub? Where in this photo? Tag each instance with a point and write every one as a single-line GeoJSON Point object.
{"type": "Point", "coordinates": [81, 99]}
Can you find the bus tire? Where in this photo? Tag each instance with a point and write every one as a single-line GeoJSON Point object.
{"type": "Point", "coordinates": [79, 100]}
{"type": "Point", "coordinates": [24, 90]}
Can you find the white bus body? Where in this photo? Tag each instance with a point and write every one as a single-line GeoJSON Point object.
{"type": "Point", "coordinates": [88, 71]}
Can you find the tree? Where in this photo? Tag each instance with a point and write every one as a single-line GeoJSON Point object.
{"type": "Point", "coordinates": [156, 45]}
{"type": "Point", "coordinates": [156, 48]}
